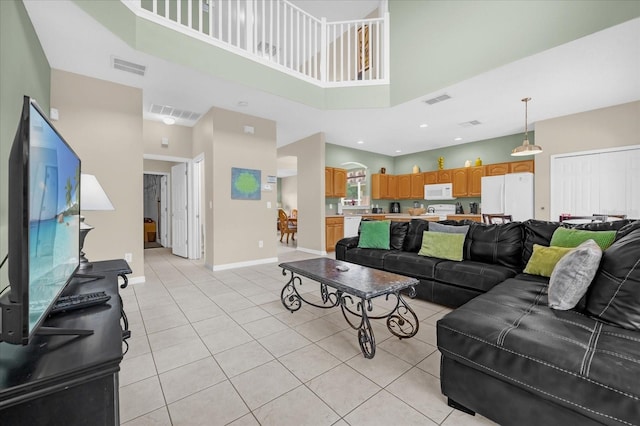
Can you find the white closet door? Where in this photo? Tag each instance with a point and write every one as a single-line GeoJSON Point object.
{"type": "Point", "coordinates": [179, 210]}
{"type": "Point", "coordinates": [606, 182]}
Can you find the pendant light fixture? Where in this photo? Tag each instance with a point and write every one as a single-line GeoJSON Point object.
{"type": "Point", "coordinates": [526, 148]}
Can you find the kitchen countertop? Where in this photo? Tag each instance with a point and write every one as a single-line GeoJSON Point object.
{"type": "Point", "coordinates": [399, 216]}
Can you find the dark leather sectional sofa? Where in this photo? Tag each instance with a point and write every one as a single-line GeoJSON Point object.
{"type": "Point", "coordinates": [505, 353]}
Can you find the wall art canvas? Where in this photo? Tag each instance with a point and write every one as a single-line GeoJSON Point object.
{"type": "Point", "coordinates": [245, 184]}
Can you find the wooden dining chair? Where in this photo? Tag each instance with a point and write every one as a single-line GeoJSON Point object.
{"type": "Point", "coordinates": [496, 218]}
{"type": "Point", "coordinates": [294, 213]}
{"type": "Point", "coordinates": [286, 227]}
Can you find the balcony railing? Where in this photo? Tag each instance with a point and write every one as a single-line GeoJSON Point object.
{"type": "Point", "coordinates": [278, 34]}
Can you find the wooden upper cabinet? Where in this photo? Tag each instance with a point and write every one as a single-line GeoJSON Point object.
{"type": "Point", "coordinates": [328, 182]}
{"type": "Point", "coordinates": [445, 176]}
{"type": "Point", "coordinates": [521, 166]}
{"type": "Point", "coordinates": [335, 182]}
{"type": "Point", "coordinates": [379, 186]}
{"type": "Point", "coordinates": [430, 177]}
{"type": "Point", "coordinates": [460, 182]}
{"type": "Point", "coordinates": [417, 185]}
{"type": "Point", "coordinates": [339, 183]}
{"type": "Point", "coordinates": [393, 187]}
{"type": "Point", "coordinates": [474, 179]}
{"type": "Point", "coordinates": [496, 169]}
{"type": "Point", "coordinates": [404, 186]}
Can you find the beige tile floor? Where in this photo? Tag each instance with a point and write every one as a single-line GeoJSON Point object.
{"type": "Point", "coordinates": [218, 348]}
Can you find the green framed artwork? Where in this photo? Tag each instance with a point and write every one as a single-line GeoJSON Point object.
{"type": "Point", "coordinates": [245, 184]}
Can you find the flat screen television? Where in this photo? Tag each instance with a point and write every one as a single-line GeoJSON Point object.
{"type": "Point", "coordinates": [43, 224]}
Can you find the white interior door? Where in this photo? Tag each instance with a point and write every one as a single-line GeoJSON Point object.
{"type": "Point", "coordinates": [164, 211]}
{"type": "Point", "coordinates": [179, 228]}
{"type": "Point", "coordinates": [194, 208]}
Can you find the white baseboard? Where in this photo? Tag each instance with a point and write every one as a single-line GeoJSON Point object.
{"type": "Point", "coordinates": [137, 280]}
{"type": "Point", "coordinates": [242, 264]}
{"type": "Point", "coordinates": [318, 252]}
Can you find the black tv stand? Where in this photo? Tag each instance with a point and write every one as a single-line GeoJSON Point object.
{"type": "Point", "coordinates": [90, 277]}
{"type": "Point", "coordinates": [57, 331]}
{"type": "Point", "coordinates": [57, 379]}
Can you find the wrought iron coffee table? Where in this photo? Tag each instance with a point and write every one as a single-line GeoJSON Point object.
{"type": "Point", "coordinates": [352, 282]}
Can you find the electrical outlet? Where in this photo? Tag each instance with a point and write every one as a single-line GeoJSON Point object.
{"type": "Point", "coordinates": [260, 244]}
{"type": "Point", "coordinates": [128, 257]}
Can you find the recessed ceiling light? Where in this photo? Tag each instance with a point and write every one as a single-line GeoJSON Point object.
{"type": "Point", "coordinates": [168, 121]}
{"type": "Point", "coordinates": [422, 126]}
{"type": "Point", "coordinates": [398, 150]}
{"type": "Point", "coordinates": [243, 104]}
{"type": "Point", "coordinates": [360, 142]}
{"type": "Point", "coordinates": [458, 139]}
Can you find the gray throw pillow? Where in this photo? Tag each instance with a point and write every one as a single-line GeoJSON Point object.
{"type": "Point", "coordinates": [448, 229]}
{"type": "Point", "coordinates": [573, 274]}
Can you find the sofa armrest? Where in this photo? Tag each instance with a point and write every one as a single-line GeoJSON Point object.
{"type": "Point", "coordinates": [345, 244]}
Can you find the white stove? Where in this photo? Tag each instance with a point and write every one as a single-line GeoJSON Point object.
{"type": "Point", "coordinates": [441, 210]}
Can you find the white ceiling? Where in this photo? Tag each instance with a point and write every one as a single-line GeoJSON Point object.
{"type": "Point", "coordinates": [596, 71]}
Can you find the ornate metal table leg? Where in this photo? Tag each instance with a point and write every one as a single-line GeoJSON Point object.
{"type": "Point", "coordinates": [402, 321]}
{"type": "Point", "coordinates": [289, 295]}
{"type": "Point", "coordinates": [366, 339]}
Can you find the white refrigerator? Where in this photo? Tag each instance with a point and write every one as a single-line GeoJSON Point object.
{"type": "Point", "coordinates": [508, 194]}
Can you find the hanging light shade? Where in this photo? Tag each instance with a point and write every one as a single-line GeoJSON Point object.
{"type": "Point", "coordinates": [526, 148]}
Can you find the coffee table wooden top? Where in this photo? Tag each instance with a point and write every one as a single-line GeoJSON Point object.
{"type": "Point", "coordinates": [357, 280]}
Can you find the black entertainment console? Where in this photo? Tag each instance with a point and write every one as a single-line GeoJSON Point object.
{"type": "Point", "coordinates": [67, 379]}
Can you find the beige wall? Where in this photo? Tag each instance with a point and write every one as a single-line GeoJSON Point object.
{"type": "Point", "coordinates": [237, 225]}
{"type": "Point", "coordinates": [289, 193]}
{"type": "Point", "coordinates": [602, 128]}
{"type": "Point", "coordinates": [102, 121]}
{"type": "Point", "coordinates": [311, 158]}
{"type": "Point", "coordinates": [158, 166]}
{"type": "Point", "coordinates": [180, 138]}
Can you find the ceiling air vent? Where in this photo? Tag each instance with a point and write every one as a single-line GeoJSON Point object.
{"type": "Point", "coordinates": [122, 65]}
{"type": "Point", "coordinates": [437, 99]}
{"type": "Point", "coordinates": [470, 123]}
{"type": "Point", "coordinates": [169, 111]}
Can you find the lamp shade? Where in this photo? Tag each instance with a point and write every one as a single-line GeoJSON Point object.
{"type": "Point", "coordinates": [526, 149]}
{"type": "Point", "coordinates": [92, 196]}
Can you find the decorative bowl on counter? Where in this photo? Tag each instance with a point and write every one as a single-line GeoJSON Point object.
{"type": "Point", "coordinates": [417, 211]}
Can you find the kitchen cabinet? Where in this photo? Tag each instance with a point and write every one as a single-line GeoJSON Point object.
{"type": "Point", "coordinates": [417, 186]}
{"type": "Point", "coordinates": [467, 181]}
{"type": "Point", "coordinates": [430, 178]}
{"type": "Point", "coordinates": [384, 187]}
{"type": "Point", "coordinates": [474, 179]}
{"type": "Point", "coordinates": [510, 167]}
{"type": "Point", "coordinates": [521, 166]}
{"type": "Point", "coordinates": [328, 182]}
{"type": "Point", "coordinates": [379, 186]}
{"type": "Point", "coordinates": [460, 182]}
{"type": "Point", "coordinates": [334, 232]}
{"type": "Point", "coordinates": [496, 169]}
{"type": "Point", "coordinates": [393, 187]}
{"type": "Point", "coordinates": [445, 176]}
{"type": "Point", "coordinates": [335, 182]}
{"type": "Point", "coordinates": [404, 187]}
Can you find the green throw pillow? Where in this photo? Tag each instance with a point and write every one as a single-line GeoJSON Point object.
{"type": "Point", "coordinates": [568, 237]}
{"type": "Point", "coordinates": [374, 234]}
{"type": "Point", "coordinates": [442, 245]}
{"type": "Point", "coordinates": [544, 259]}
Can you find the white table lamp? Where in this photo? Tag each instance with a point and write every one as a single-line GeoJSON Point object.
{"type": "Point", "coordinates": [92, 197]}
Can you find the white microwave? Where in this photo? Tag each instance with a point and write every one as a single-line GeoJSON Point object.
{"type": "Point", "coordinates": [440, 191]}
